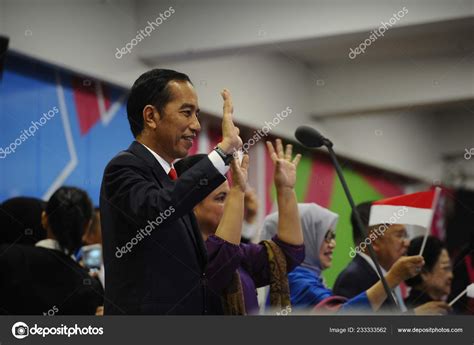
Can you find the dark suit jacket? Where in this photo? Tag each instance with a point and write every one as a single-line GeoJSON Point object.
{"type": "Point", "coordinates": [163, 272]}
{"type": "Point", "coordinates": [34, 281]}
{"type": "Point", "coordinates": [357, 277]}
{"type": "Point", "coordinates": [417, 298]}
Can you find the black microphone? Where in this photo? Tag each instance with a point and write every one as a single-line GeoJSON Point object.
{"type": "Point", "coordinates": [311, 138]}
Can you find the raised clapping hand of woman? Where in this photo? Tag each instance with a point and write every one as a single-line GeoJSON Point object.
{"type": "Point", "coordinates": [230, 226]}
{"type": "Point", "coordinates": [289, 224]}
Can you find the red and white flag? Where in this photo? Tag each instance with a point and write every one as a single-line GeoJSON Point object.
{"type": "Point", "coordinates": [413, 209]}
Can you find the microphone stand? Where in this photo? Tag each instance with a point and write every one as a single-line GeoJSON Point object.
{"type": "Point", "coordinates": [332, 154]}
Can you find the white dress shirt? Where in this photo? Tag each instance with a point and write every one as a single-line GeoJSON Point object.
{"type": "Point", "coordinates": [396, 291]}
{"type": "Point", "coordinates": [50, 243]}
{"type": "Point", "coordinates": [214, 157]}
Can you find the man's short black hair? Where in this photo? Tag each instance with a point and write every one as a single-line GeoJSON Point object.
{"type": "Point", "coordinates": [364, 212]}
{"type": "Point", "coordinates": [150, 88]}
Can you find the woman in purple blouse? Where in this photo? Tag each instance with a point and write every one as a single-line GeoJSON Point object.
{"type": "Point", "coordinates": [220, 218]}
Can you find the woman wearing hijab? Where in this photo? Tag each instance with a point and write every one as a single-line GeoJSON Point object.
{"type": "Point", "coordinates": [236, 269]}
{"type": "Point", "coordinates": [307, 287]}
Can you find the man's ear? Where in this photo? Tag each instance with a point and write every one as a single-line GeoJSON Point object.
{"type": "Point", "coordinates": [375, 245]}
{"type": "Point", "coordinates": [151, 117]}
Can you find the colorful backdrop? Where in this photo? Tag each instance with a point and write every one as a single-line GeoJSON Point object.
{"type": "Point", "coordinates": [90, 127]}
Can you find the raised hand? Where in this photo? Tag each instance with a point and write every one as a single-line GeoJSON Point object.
{"type": "Point", "coordinates": [433, 308]}
{"type": "Point", "coordinates": [230, 226]}
{"type": "Point", "coordinates": [251, 205]}
{"type": "Point", "coordinates": [230, 133]}
{"type": "Point", "coordinates": [285, 168]}
{"type": "Point", "coordinates": [240, 172]}
{"type": "Point", "coordinates": [404, 268]}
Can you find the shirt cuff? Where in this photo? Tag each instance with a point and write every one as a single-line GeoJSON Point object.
{"type": "Point", "coordinates": [218, 162]}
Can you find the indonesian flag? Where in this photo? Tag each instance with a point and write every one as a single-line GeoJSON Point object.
{"type": "Point", "coordinates": [413, 209]}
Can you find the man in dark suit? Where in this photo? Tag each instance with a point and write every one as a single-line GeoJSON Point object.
{"type": "Point", "coordinates": [361, 276]}
{"type": "Point", "coordinates": [390, 242]}
{"type": "Point", "coordinates": [154, 255]}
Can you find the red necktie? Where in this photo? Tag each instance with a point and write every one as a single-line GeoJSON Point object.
{"type": "Point", "coordinates": [172, 174]}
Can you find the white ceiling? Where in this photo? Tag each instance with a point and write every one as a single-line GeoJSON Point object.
{"type": "Point", "coordinates": [440, 39]}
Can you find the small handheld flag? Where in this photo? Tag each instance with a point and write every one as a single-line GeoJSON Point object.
{"type": "Point", "coordinates": [412, 209]}
{"type": "Point", "coordinates": [469, 291]}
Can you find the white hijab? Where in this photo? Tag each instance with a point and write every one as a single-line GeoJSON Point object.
{"type": "Point", "coordinates": [315, 222]}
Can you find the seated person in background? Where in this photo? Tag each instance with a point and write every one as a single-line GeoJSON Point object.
{"type": "Point", "coordinates": [306, 284]}
{"type": "Point", "coordinates": [90, 254]}
{"type": "Point", "coordinates": [37, 279]}
{"type": "Point", "coordinates": [93, 235]}
{"type": "Point", "coordinates": [249, 228]}
{"type": "Point", "coordinates": [434, 281]}
{"type": "Point", "coordinates": [20, 221]}
{"type": "Point", "coordinates": [390, 243]}
{"type": "Point", "coordinates": [236, 269]}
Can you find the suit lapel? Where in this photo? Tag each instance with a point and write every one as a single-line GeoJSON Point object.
{"type": "Point", "coordinates": [367, 268]}
{"type": "Point", "coordinates": [164, 181]}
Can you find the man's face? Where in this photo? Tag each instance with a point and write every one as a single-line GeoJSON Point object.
{"type": "Point", "coordinates": [392, 245]}
{"type": "Point", "coordinates": [178, 125]}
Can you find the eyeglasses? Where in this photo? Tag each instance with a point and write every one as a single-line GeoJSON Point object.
{"type": "Point", "coordinates": [401, 235]}
{"type": "Point", "coordinates": [330, 235]}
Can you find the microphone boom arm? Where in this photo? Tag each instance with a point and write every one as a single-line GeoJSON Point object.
{"type": "Point", "coordinates": [332, 154]}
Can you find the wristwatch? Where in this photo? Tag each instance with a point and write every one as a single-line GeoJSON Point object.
{"type": "Point", "coordinates": [226, 158]}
